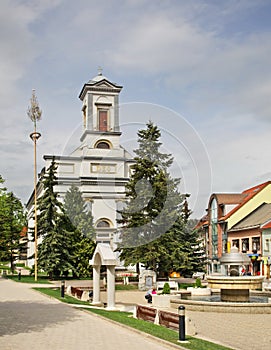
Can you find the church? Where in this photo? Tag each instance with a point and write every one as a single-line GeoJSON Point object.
{"type": "Point", "coordinates": [100, 167]}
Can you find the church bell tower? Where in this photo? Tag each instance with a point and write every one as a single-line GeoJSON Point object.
{"type": "Point", "coordinates": [100, 112]}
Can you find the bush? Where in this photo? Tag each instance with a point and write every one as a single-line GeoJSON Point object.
{"type": "Point", "coordinates": [166, 289]}
{"type": "Point", "coordinates": [198, 283]}
{"type": "Point", "coordinates": [20, 264]}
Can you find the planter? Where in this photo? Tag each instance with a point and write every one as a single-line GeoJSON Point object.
{"type": "Point", "coordinates": [161, 300]}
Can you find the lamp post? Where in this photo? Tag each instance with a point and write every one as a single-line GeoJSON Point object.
{"type": "Point", "coordinates": [34, 114]}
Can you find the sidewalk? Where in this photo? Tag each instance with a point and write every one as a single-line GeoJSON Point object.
{"type": "Point", "coordinates": [30, 320]}
{"type": "Point", "coordinates": [34, 321]}
{"type": "Point", "coordinates": [237, 331]}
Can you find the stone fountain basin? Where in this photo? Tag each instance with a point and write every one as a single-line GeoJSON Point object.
{"type": "Point", "coordinates": [235, 282]}
{"type": "Point", "coordinates": [235, 288]}
{"type": "Point", "coordinates": [199, 291]}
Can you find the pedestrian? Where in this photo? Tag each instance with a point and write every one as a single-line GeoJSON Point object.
{"type": "Point", "coordinates": [149, 295]}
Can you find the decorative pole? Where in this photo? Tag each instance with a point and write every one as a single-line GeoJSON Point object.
{"type": "Point", "coordinates": [34, 113]}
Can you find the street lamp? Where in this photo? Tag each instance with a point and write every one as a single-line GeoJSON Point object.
{"type": "Point", "coordinates": [34, 113]}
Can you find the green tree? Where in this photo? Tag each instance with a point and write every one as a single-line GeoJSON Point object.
{"type": "Point", "coordinates": [81, 224]}
{"type": "Point", "coordinates": [3, 255]}
{"type": "Point", "coordinates": [77, 210]}
{"type": "Point", "coordinates": [183, 252]}
{"type": "Point", "coordinates": [54, 255]}
{"type": "Point", "coordinates": [153, 202]}
{"type": "Point", "coordinates": [49, 207]}
{"type": "Point", "coordinates": [12, 221]}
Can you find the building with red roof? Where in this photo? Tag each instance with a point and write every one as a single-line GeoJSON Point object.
{"type": "Point", "coordinates": [238, 219]}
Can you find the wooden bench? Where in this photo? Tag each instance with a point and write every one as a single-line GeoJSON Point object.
{"type": "Point", "coordinates": [172, 285]}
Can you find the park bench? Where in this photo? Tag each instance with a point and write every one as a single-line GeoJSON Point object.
{"type": "Point", "coordinates": [172, 285]}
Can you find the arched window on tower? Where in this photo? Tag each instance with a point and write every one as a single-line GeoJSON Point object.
{"type": "Point", "coordinates": [103, 145]}
{"type": "Point", "coordinates": [103, 223]}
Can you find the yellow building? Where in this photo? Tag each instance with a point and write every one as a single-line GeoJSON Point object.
{"type": "Point", "coordinates": [224, 212]}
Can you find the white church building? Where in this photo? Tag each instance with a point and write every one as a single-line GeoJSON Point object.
{"type": "Point", "coordinates": [99, 166]}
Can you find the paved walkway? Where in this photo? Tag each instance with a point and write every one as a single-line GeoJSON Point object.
{"type": "Point", "coordinates": [30, 320]}
{"type": "Point", "coordinates": [237, 331]}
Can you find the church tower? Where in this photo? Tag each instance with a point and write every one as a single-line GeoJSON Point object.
{"type": "Point", "coordinates": [99, 166]}
{"type": "Point", "coordinates": [100, 111]}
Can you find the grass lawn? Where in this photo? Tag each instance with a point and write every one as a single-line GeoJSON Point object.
{"type": "Point", "coordinates": [126, 287]}
{"type": "Point", "coordinates": [143, 326]}
{"type": "Point", "coordinates": [29, 279]}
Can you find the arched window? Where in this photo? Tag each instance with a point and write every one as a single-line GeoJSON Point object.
{"type": "Point", "coordinates": [103, 145]}
{"type": "Point", "coordinates": [103, 224]}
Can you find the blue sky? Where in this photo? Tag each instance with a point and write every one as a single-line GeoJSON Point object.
{"type": "Point", "coordinates": [199, 69]}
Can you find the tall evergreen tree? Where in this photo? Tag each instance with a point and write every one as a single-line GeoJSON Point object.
{"type": "Point", "coordinates": [81, 224]}
{"type": "Point", "coordinates": [49, 207]}
{"type": "Point", "coordinates": [54, 251]}
{"type": "Point", "coordinates": [183, 252]}
{"type": "Point", "coordinates": [153, 202]}
{"type": "Point", "coordinates": [79, 214]}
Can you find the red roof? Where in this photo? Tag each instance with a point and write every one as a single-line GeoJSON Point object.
{"type": "Point", "coordinates": [249, 193]}
{"type": "Point", "coordinates": [267, 225]}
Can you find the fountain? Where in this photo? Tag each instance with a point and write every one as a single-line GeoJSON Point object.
{"type": "Point", "coordinates": [230, 292]}
{"type": "Point", "coordinates": [235, 287]}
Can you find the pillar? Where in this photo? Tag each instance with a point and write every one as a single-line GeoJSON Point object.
{"type": "Point", "coordinates": [110, 287]}
{"type": "Point", "coordinates": [96, 285]}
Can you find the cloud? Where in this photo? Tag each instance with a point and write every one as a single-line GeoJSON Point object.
{"type": "Point", "coordinates": [206, 60]}
{"type": "Point", "coordinates": [18, 43]}
{"type": "Point", "coordinates": [239, 161]}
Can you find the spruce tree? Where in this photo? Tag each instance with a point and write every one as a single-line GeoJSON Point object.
{"type": "Point", "coordinates": [54, 251]}
{"type": "Point", "coordinates": [82, 228]}
{"type": "Point", "coordinates": [183, 251]}
{"type": "Point", "coordinates": [49, 207]}
{"type": "Point", "coordinates": [77, 210]}
{"type": "Point", "coordinates": [153, 202]}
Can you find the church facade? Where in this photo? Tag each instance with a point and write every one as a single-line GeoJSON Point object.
{"type": "Point", "coordinates": [100, 167]}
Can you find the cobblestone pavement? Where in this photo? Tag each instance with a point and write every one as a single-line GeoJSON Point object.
{"type": "Point", "coordinates": [29, 320]}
